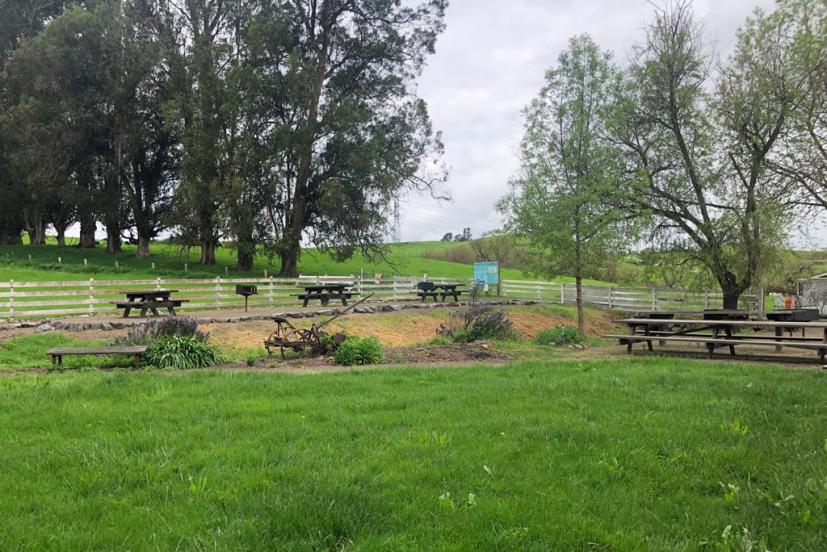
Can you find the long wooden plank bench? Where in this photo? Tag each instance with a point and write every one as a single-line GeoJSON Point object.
{"type": "Point", "coordinates": [712, 342]}
{"type": "Point", "coordinates": [324, 298]}
{"type": "Point", "coordinates": [135, 351]}
{"type": "Point", "coordinates": [144, 306]}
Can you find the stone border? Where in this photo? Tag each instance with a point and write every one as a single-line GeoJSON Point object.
{"type": "Point", "coordinates": [72, 325]}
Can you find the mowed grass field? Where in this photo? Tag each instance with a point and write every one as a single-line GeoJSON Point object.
{"type": "Point", "coordinates": [53, 263]}
{"type": "Point", "coordinates": [633, 454]}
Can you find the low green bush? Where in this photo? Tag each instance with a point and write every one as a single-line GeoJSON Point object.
{"type": "Point", "coordinates": [355, 351]}
{"type": "Point", "coordinates": [561, 335]}
{"type": "Point", "coordinates": [182, 353]}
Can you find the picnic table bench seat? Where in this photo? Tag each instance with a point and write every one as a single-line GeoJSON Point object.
{"type": "Point", "coordinates": [133, 350]}
{"type": "Point", "coordinates": [712, 342]}
{"type": "Point", "coordinates": [324, 298]}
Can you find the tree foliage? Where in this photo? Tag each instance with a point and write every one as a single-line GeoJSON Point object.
{"type": "Point", "coordinates": [558, 202]}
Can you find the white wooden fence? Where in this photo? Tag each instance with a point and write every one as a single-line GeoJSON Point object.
{"type": "Point", "coordinates": [624, 298]}
{"type": "Point", "coordinates": [97, 297]}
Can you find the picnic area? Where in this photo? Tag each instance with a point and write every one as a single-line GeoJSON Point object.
{"type": "Point", "coordinates": [419, 275]}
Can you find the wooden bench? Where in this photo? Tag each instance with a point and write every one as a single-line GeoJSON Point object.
{"type": "Point", "coordinates": [135, 351]}
{"type": "Point", "coordinates": [712, 342]}
{"type": "Point", "coordinates": [323, 298]}
{"type": "Point", "coordinates": [128, 306]}
{"type": "Point", "coordinates": [424, 294]}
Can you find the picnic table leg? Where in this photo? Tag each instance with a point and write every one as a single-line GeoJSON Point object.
{"type": "Point", "coordinates": [126, 311]}
{"type": "Point", "coordinates": [710, 347]}
{"type": "Point", "coordinates": [171, 310]}
{"type": "Point", "coordinates": [779, 332]}
{"type": "Point", "coordinates": [344, 301]}
{"type": "Point", "coordinates": [729, 336]}
{"type": "Point", "coordinates": [324, 301]}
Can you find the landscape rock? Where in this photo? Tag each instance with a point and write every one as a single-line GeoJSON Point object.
{"type": "Point", "coordinates": [44, 328]}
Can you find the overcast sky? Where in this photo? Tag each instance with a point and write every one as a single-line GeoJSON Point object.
{"type": "Point", "coordinates": [488, 65]}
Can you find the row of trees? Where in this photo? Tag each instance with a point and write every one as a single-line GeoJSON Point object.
{"type": "Point", "coordinates": [716, 162]}
{"type": "Point", "coordinates": [269, 123]}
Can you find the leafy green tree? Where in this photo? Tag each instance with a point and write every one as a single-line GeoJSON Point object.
{"type": "Point", "coordinates": [697, 151]}
{"type": "Point", "coordinates": [348, 134]}
{"type": "Point", "coordinates": [557, 204]}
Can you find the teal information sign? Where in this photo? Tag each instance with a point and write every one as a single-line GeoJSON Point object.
{"type": "Point", "coordinates": [487, 272]}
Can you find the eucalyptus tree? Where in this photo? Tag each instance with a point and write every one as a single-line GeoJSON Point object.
{"type": "Point", "coordinates": [697, 150]}
{"type": "Point", "coordinates": [557, 204]}
{"type": "Point", "coordinates": [348, 134]}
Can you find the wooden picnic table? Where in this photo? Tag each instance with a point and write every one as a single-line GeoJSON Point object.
{"type": "Point", "coordinates": [691, 328]}
{"type": "Point", "coordinates": [430, 289]}
{"type": "Point", "coordinates": [324, 293]}
{"type": "Point", "coordinates": [149, 300]}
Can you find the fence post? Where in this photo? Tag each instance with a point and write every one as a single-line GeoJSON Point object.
{"type": "Point", "coordinates": [537, 291]}
{"type": "Point", "coordinates": [270, 290]}
{"type": "Point", "coordinates": [562, 293]}
{"type": "Point", "coordinates": [91, 296]}
{"type": "Point", "coordinates": [761, 300]}
{"type": "Point", "coordinates": [218, 292]}
{"type": "Point", "coordinates": [706, 300]}
{"type": "Point", "coordinates": [11, 298]}
{"type": "Point", "coordinates": [611, 296]}
{"type": "Point", "coordinates": [394, 288]}
{"type": "Point", "coordinates": [654, 300]}
{"type": "Point", "coordinates": [158, 283]}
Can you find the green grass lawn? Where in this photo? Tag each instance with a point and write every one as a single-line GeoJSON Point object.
{"type": "Point", "coordinates": [53, 263]}
{"type": "Point", "coordinates": [657, 454]}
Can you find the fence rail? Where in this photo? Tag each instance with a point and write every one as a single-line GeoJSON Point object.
{"type": "Point", "coordinates": [624, 298]}
{"type": "Point", "coordinates": [97, 297]}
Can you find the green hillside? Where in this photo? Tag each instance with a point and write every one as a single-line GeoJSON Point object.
{"type": "Point", "coordinates": [50, 262]}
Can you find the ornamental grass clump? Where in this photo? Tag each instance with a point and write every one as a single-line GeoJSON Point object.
{"type": "Point", "coordinates": [477, 322]}
{"type": "Point", "coordinates": [561, 335]}
{"type": "Point", "coordinates": [174, 326]}
{"type": "Point", "coordinates": [181, 353]}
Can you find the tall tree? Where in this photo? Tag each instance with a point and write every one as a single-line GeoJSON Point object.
{"type": "Point", "coordinates": [348, 133]}
{"type": "Point", "coordinates": [799, 28]}
{"type": "Point", "coordinates": [207, 34]}
{"type": "Point", "coordinates": [697, 161]}
{"type": "Point", "coordinates": [568, 167]}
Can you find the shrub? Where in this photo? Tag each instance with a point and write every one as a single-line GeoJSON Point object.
{"type": "Point", "coordinates": [174, 326]}
{"type": "Point", "coordinates": [561, 335]}
{"type": "Point", "coordinates": [181, 352]}
{"type": "Point", "coordinates": [355, 351]}
{"type": "Point", "coordinates": [477, 322]}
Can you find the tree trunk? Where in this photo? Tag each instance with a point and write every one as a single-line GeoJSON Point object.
{"type": "Point", "coordinates": [208, 251]}
{"type": "Point", "coordinates": [731, 297]}
{"type": "Point", "coordinates": [581, 317]}
{"type": "Point", "coordinates": [143, 246]}
{"type": "Point", "coordinates": [246, 254]}
{"type": "Point", "coordinates": [113, 238]}
{"type": "Point", "coordinates": [61, 236]}
{"type": "Point", "coordinates": [87, 232]}
{"type": "Point", "coordinates": [289, 263]}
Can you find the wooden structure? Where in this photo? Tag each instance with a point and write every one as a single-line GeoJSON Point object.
{"type": "Point", "coordinates": [149, 300]}
{"type": "Point", "coordinates": [722, 333]}
{"type": "Point", "coordinates": [430, 289]}
{"type": "Point", "coordinates": [324, 293]}
{"type": "Point", "coordinates": [288, 337]}
{"type": "Point", "coordinates": [134, 351]}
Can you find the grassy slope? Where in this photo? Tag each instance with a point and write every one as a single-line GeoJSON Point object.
{"type": "Point", "coordinates": [404, 259]}
{"type": "Point", "coordinates": [625, 455]}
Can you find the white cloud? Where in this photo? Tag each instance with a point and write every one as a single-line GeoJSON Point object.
{"type": "Point", "coordinates": [490, 63]}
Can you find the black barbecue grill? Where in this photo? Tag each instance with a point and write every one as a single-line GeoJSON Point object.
{"type": "Point", "coordinates": [246, 291]}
